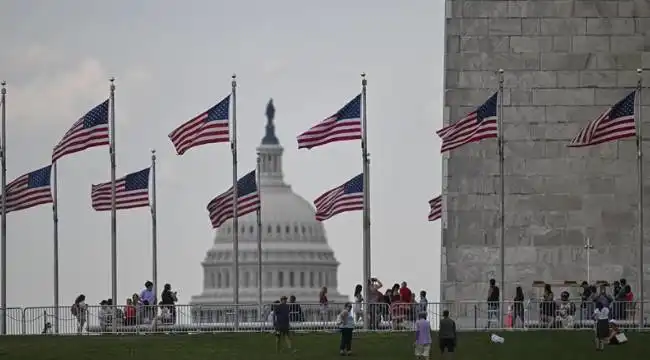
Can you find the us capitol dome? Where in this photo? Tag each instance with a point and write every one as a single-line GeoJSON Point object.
{"type": "Point", "coordinates": [296, 259]}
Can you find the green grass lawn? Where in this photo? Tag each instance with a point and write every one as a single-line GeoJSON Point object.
{"type": "Point", "coordinates": [532, 345]}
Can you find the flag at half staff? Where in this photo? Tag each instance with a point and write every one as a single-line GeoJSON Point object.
{"type": "Point", "coordinates": [131, 191]}
{"type": "Point", "coordinates": [476, 126]}
{"type": "Point", "coordinates": [248, 200]}
{"type": "Point", "coordinates": [435, 211]}
{"type": "Point", "coordinates": [344, 198]}
{"type": "Point", "coordinates": [210, 126]}
{"type": "Point", "coordinates": [89, 131]}
{"type": "Point", "coordinates": [344, 125]}
{"type": "Point", "coordinates": [615, 123]}
{"type": "Point", "coordinates": [30, 190]}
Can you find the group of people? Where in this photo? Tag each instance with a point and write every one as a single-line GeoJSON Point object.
{"type": "Point", "coordinates": [141, 308]}
{"type": "Point", "coordinates": [396, 304]}
{"type": "Point", "coordinates": [401, 303]}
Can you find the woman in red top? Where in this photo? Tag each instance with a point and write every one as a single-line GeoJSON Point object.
{"type": "Point", "coordinates": [405, 293]}
{"type": "Point", "coordinates": [129, 312]}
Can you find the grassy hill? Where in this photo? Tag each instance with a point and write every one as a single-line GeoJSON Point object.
{"type": "Point", "coordinates": [532, 345]}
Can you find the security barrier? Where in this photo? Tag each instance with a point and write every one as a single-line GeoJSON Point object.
{"type": "Point", "coordinates": [306, 317]}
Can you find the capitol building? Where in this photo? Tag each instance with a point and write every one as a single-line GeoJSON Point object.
{"type": "Point", "coordinates": [296, 258]}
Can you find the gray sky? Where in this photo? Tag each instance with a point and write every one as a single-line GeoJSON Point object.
{"type": "Point", "coordinates": [173, 61]}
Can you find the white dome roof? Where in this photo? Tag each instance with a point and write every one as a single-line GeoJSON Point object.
{"type": "Point", "coordinates": [286, 216]}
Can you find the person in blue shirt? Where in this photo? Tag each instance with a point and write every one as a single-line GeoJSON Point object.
{"type": "Point", "coordinates": [282, 323]}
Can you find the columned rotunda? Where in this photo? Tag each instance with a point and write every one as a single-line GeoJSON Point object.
{"type": "Point", "coordinates": [296, 259]}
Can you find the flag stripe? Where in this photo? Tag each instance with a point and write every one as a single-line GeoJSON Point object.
{"type": "Point", "coordinates": [90, 131]}
{"type": "Point", "coordinates": [127, 195]}
{"type": "Point", "coordinates": [435, 211]}
{"type": "Point", "coordinates": [221, 209]}
{"type": "Point", "coordinates": [211, 126]}
{"type": "Point", "coordinates": [476, 126]}
{"type": "Point", "coordinates": [343, 198]}
{"type": "Point", "coordinates": [21, 194]}
{"type": "Point", "coordinates": [615, 123]}
{"type": "Point", "coordinates": [345, 125]}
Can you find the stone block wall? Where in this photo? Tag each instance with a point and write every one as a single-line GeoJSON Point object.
{"type": "Point", "coordinates": [565, 62]}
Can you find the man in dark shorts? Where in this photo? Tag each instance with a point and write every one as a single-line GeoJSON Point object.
{"type": "Point", "coordinates": [281, 322]}
{"type": "Point", "coordinates": [447, 334]}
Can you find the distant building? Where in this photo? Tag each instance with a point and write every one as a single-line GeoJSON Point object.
{"type": "Point", "coordinates": [296, 257]}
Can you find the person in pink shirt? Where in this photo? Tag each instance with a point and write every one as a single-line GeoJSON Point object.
{"type": "Point", "coordinates": [422, 337]}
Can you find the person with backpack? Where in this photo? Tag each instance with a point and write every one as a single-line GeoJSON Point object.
{"type": "Point", "coordinates": [80, 311]}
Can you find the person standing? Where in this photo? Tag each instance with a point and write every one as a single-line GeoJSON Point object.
{"type": "Point", "coordinates": [80, 311]}
{"type": "Point", "coordinates": [346, 324]}
{"type": "Point", "coordinates": [422, 337]}
{"type": "Point", "coordinates": [281, 322]}
{"type": "Point", "coordinates": [447, 334]}
{"type": "Point", "coordinates": [601, 316]}
{"type": "Point", "coordinates": [493, 303]}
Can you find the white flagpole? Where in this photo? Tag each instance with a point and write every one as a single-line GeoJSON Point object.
{"type": "Point", "coordinates": [367, 269]}
{"type": "Point", "coordinates": [55, 222]}
{"type": "Point", "coordinates": [502, 206]}
{"type": "Point", "coordinates": [154, 224]}
{"type": "Point", "coordinates": [639, 146]}
{"type": "Point", "coordinates": [3, 241]}
{"type": "Point", "coordinates": [113, 205]}
{"type": "Point", "coordinates": [259, 238]}
{"type": "Point", "coordinates": [235, 220]}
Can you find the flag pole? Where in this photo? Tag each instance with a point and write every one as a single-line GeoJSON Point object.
{"type": "Point", "coordinates": [113, 207]}
{"type": "Point", "coordinates": [367, 272]}
{"type": "Point", "coordinates": [154, 224]}
{"type": "Point", "coordinates": [55, 222]}
{"type": "Point", "coordinates": [502, 207]}
{"type": "Point", "coordinates": [3, 245]}
{"type": "Point", "coordinates": [235, 220]}
{"type": "Point", "coordinates": [639, 146]}
{"type": "Point", "coordinates": [259, 237]}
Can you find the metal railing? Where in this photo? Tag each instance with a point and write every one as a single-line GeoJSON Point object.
{"type": "Point", "coordinates": [309, 317]}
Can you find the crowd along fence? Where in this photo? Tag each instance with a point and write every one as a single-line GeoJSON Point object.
{"type": "Point", "coordinates": [309, 317]}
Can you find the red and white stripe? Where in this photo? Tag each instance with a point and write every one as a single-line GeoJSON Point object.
{"type": "Point", "coordinates": [435, 208]}
{"type": "Point", "coordinates": [101, 196]}
{"type": "Point", "coordinates": [467, 130]}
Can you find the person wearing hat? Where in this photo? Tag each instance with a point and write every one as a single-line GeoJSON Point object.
{"type": "Point", "coordinates": [282, 323]}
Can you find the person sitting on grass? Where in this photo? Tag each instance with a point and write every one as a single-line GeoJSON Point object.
{"type": "Point", "coordinates": [616, 335]}
{"type": "Point", "coordinates": [281, 322]}
{"type": "Point", "coordinates": [346, 324]}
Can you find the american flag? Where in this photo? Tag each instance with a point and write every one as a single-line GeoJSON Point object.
{"type": "Point", "coordinates": [30, 190]}
{"type": "Point", "coordinates": [248, 200]}
{"type": "Point", "coordinates": [615, 123]}
{"type": "Point", "coordinates": [476, 126]}
{"type": "Point", "coordinates": [89, 131]}
{"type": "Point", "coordinates": [208, 127]}
{"type": "Point", "coordinates": [344, 125]}
{"type": "Point", "coordinates": [131, 191]}
{"type": "Point", "coordinates": [435, 211]}
{"type": "Point", "coordinates": [344, 198]}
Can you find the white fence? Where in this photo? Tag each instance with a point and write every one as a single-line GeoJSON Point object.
{"type": "Point", "coordinates": [469, 316]}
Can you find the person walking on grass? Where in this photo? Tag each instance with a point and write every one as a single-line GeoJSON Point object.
{"type": "Point", "coordinates": [346, 324]}
{"type": "Point", "coordinates": [447, 335]}
{"type": "Point", "coordinates": [422, 337]}
{"type": "Point", "coordinates": [281, 322]}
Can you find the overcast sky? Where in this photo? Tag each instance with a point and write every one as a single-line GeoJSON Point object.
{"type": "Point", "coordinates": [174, 59]}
